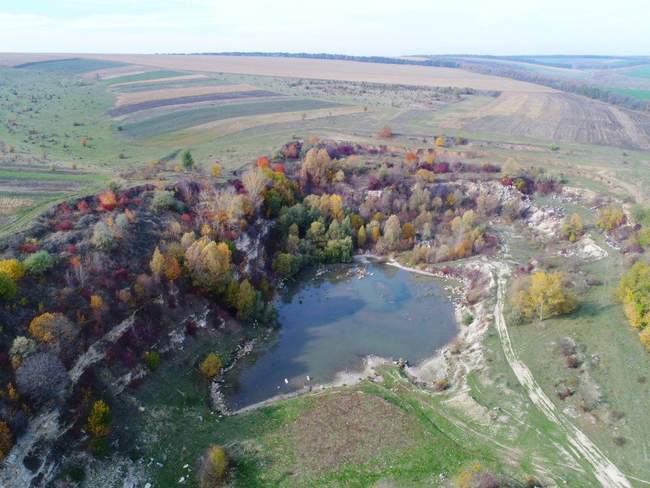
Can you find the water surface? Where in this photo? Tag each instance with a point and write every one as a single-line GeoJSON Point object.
{"type": "Point", "coordinates": [335, 316]}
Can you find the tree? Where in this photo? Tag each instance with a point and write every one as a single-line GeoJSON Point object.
{"type": "Point", "coordinates": [209, 264]}
{"type": "Point", "coordinates": [172, 269]}
{"type": "Point", "coordinates": [254, 181]}
{"type": "Point", "coordinates": [441, 141]}
{"type": "Point", "coordinates": [6, 440]}
{"type": "Point", "coordinates": [99, 420]}
{"type": "Point", "coordinates": [157, 263]}
{"type": "Point", "coordinates": [188, 160]}
{"type": "Point", "coordinates": [246, 301]}
{"type": "Point", "coordinates": [610, 217]}
{"type": "Point", "coordinates": [572, 228]}
{"type": "Point", "coordinates": [39, 263]}
{"type": "Point", "coordinates": [216, 170]}
{"type": "Point", "coordinates": [392, 232]}
{"type": "Point", "coordinates": [214, 466]}
{"type": "Point", "coordinates": [361, 237]}
{"type": "Point", "coordinates": [211, 366]}
{"type": "Point", "coordinates": [634, 292]}
{"type": "Point", "coordinates": [42, 377]}
{"type": "Point", "coordinates": [545, 295]}
{"type": "Point", "coordinates": [285, 265]}
{"type": "Point", "coordinates": [47, 326]}
{"type": "Point", "coordinates": [316, 167]}
{"type": "Point", "coordinates": [8, 288]}
{"type": "Point", "coordinates": [12, 268]}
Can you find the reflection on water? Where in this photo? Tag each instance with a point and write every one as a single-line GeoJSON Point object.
{"type": "Point", "coordinates": [333, 317]}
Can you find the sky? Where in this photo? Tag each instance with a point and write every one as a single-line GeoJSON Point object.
{"type": "Point", "coordinates": [358, 27]}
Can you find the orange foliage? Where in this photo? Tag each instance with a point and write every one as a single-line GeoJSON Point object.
{"type": "Point", "coordinates": [263, 162]}
{"type": "Point", "coordinates": [107, 200]}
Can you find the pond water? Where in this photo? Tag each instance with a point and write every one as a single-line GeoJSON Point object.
{"type": "Point", "coordinates": [335, 316]}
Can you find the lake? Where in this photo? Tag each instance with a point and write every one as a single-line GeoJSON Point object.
{"type": "Point", "coordinates": [333, 317]}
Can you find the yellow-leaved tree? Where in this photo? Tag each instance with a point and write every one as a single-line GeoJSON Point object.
{"type": "Point", "coordinates": [544, 295]}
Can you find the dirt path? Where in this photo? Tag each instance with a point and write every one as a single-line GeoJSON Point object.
{"type": "Point", "coordinates": [605, 471]}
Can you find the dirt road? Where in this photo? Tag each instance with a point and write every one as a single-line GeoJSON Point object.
{"type": "Point", "coordinates": [605, 471]}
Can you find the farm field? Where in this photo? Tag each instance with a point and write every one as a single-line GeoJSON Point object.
{"type": "Point", "coordinates": [331, 70]}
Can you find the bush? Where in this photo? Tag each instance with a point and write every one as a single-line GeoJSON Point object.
{"type": "Point", "coordinates": [165, 200]}
{"type": "Point", "coordinates": [468, 318]}
{"type": "Point", "coordinates": [152, 360]}
{"type": "Point", "coordinates": [103, 237]}
{"type": "Point", "coordinates": [42, 377]}
{"type": "Point", "coordinates": [214, 467]}
{"type": "Point", "coordinates": [39, 263]}
{"type": "Point", "coordinates": [8, 288]}
{"type": "Point", "coordinates": [211, 366]}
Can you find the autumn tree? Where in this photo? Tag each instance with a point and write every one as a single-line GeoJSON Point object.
{"type": "Point", "coordinates": [99, 419]}
{"type": "Point", "coordinates": [634, 292]}
{"type": "Point", "coordinates": [316, 167]}
{"type": "Point", "coordinates": [214, 466]}
{"type": "Point", "coordinates": [12, 268]}
{"type": "Point", "coordinates": [172, 269]}
{"type": "Point", "coordinates": [246, 300]}
{"type": "Point", "coordinates": [42, 377]}
{"type": "Point", "coordinates": [544, 295]}
{"type": "Point", "coordinates": [211, 366]}
{"type": "Point", "coordinates": [385, 133]}
{"type": "Point", "coordinates": [157, 263]}
{"type": "Point", "coordinates": [6, 440]}
{"type": "Point", "coordinates": [216, 170]}
{"type": "Point", "coordinates": [392, 232]}
{"type": "Point", "coordinates": [610, 217]}
{"type": "Point", "coordinates": [255, 181]}
{"type": "Point", "coordinates": [572, 228]}
{"type": "Point", "coordinates": [209, 264]}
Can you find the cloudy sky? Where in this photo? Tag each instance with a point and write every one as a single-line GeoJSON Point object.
{"type": "Point", "coordinates": [362, 27]}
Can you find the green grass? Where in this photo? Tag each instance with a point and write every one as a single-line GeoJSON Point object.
{"type": "Point", "coordinates": [183, 119]}
{"type": "Point", "coordinates": [631, 92]}
{"type": "Point", "coordinates": [45, 176]}
{"type": "Point", "coordinates": [72, 66]}
{"type": "Point", "coordinates": [149, 75]}
{"type": "Point", "coordinates": [641, 72]}
{"type": "Point", "coordinates": [170, 83]}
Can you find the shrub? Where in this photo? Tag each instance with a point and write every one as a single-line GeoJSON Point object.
{"type": "Point", "coordinates": [8, 288]}
{"type": "Point", "coordinates": [22, 347]}
{"type": "Point", "coordinates": [211, 366]}
{"type": "Point", "coordinates": [99, 420]}
{"type": "Point", "coordinates": [214, 466]}
{"type": "Point", "coordinates": [103, 237]}
{"type": "Point", "coordinates": [165, 200]}
{"type": "Point", "coordinates": [634, 292]}
{"type": "Point", "coordinates": [107, 200]}
{"type": "Point", "coordinates": [42, 377]}
{"type": "Point", "coordinates": [6, 440]}
{"type": "Point", "coordinates": [188, 160]}
{"type": "Point", "coordinates": [152, 360]}
{"type": "Point", "coordinates": [12, 268]}
{"type": "Point", "coordinates": [572, 228]}
{"type": "Point", "coordinates": [468, 318]}
{"type": "Point", "coordinates": [385, 133]}
{"type": "Point", "coordinates": [39, 263]}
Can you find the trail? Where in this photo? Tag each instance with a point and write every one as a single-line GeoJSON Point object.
{"type": "Point", "coordinates": [605, 471]}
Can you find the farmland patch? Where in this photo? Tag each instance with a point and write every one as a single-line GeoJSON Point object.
{"type": "Point", "coordinates": [70, 66]}
{"type": "Point", "coordinates": [187, 118]}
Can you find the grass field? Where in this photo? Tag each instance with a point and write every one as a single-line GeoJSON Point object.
{"type": "Point", "coordinates": [641, 72]}
{"type": "Point", "coordinates": [632, 92]}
